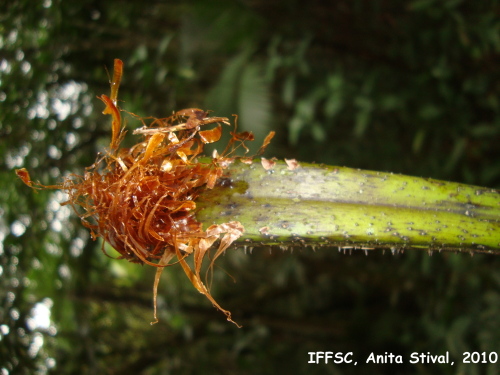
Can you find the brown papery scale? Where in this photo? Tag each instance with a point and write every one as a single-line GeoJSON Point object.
{"type": "Point", "coordinates": [141, 200]}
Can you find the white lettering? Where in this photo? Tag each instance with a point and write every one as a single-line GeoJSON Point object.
{"type": "Point", "coordinates": [348, 360]}
{"type": "Point", "coordinates": [319, 355]}
{"type": "Point", "coordinates": [429, 358]}
{"type": "Point", "coordinates": [311, 357]}
{"type": "Point", "coordinates": [384, 358]}
{"type": "Point", "coordinates": [336, 357]}
{"type": "Point", "coordinates": [414, 358]}
{"type": "Point", "coordinates": [329, 355]}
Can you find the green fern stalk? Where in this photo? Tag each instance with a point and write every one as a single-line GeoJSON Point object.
{"type": "Point", "coordinates": [323, 205]}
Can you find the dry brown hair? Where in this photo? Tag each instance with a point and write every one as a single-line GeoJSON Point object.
{"type": "Point", "coordinates": [141, 200]}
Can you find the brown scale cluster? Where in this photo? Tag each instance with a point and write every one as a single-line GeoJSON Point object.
{"type": "Point", "coordinates": [142, 200]}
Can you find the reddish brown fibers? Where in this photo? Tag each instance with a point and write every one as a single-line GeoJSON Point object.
{"type": "Point", "coordinates": [141, 200]}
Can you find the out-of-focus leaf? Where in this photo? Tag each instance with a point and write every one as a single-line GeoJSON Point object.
{"type": "Point", "coordinates": [485, 130]}
{"type": "Point", "coordinates": [429, 112]}
{"type": "Point", "coordinates": [254, 102]}
{"type": "Point", "coordinates": [242, 89]}
{"type": "Point", "coordinates": [456, 154]}
{"type": "Point", "coordinates": [363, 115]}
{"type": "Point", "coordinates": [418, 140]}
{"type": "Point", "coordinates": [289, 90]}
{"type": "Point", "coordinates": [223, 97]}
{"type": "Point", "coordinates": [294, 127]}
{"type": "Point", "coordinates": [318, 132]}
{"type": "Point", "coordinates": [333, 105]}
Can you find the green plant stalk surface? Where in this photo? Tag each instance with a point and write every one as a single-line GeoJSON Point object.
{"type": "Point", "coordinates": [350, 208]}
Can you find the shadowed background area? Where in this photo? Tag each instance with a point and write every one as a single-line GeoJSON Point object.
{"type": "Point", "coordinates": [407, 87]}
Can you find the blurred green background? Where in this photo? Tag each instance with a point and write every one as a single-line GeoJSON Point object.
{"type": "Point", "coordinates": [403, 86]}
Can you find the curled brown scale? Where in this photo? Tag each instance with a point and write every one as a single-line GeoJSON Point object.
{"type": "Point", "coordinates": [141, 200]}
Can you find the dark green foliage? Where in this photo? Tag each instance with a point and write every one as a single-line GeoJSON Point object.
{"type": "Point", "coordinates": [408, 87]}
